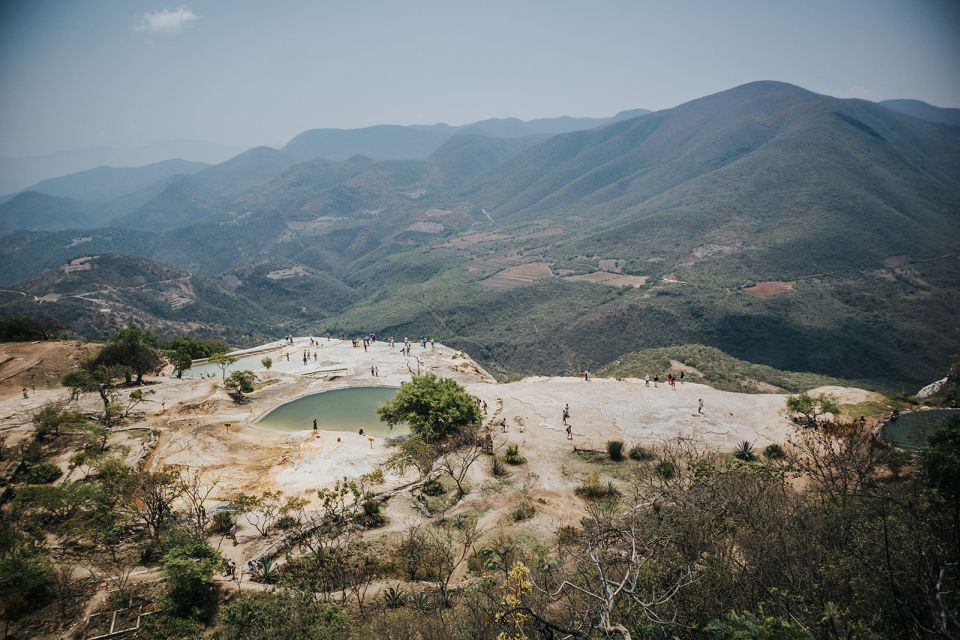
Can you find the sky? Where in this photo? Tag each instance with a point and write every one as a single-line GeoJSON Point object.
{"type": "Point", "coordinates": [126, 73]}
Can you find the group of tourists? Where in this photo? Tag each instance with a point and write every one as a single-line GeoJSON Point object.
{"type": "Point", "coordinates": [671, 380]}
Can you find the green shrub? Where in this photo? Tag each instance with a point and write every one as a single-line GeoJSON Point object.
{"type": "Point", "coordinates": [523, 511]}
{"type": "Point", "coordinates": [189, 570]}
{"type": "Point", "coordinates": [512, 456]}
{"type": "Point", "coordinates": [432, 487]}
{"type": "Point", "coordinates": [666, 469]}
{"type": "Point", "coordinates": [42, 473]}
{"type": "Point", "coordinates": [222, 521]}
{"type": "Point", "coordinates": [773, 452]}
{"type": "Point", "coordinates": [592, 489]}
{"type": "Point", "coordinates": [285, 522]}
{"type": "Point", "coordinates": [639, 453]}
{"type": "Point", "coordinates": [373, 514]}
{"type": "Point", "coordinates": [497, 468]}
{"type": "Point", "coordinates": [615, 450]}
{"type": "Point", "coordinates": [744, 451]}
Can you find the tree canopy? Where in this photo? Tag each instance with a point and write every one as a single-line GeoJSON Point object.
{"type": "Point", "coordinates": [133, 348]}
{"type": "Point", "coordinates": [434, 407]}
{"type": "Point", "coordinates": [18, 328]}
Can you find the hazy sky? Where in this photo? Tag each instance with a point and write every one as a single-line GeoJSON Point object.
{"type": "Point", "coordinates": [126, 73]}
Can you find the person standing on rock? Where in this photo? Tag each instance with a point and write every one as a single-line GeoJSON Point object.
{"type": "Point", "coordinates": [700, 406]}
{"type": "Point", "coordinates": [656, 380]}
{"type": "Point", "coordinates": [566, 412]}
{"type": "Point", "coordinates": [646, 380]}
{"type": "Point", "coordinates": [569, 432]}
{"type": "Point", "coordinates": [315, 434]}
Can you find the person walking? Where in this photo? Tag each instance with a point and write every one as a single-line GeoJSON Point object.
{"type": "Point", "coordinates": [700, 406]}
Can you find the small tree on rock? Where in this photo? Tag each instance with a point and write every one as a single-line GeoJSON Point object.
{"type": "Point", "coordinates": [239, 383]}
{"type": "Point", "coordinates": [99, 379]}
{"type": "Point", "coordinates": [812, 407]}
{"type": "Point", "coordinates": [223, 361]}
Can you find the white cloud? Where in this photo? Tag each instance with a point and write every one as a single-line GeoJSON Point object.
{"type": "Point", "coordinates": [166, 22]}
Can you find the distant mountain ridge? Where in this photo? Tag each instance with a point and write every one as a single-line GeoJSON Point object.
{"type": "Point", "coordinates": [392, 142]}
{"type": "Point", "coordinates": [920, 109]}
{"type": "Point", "coordinates": [106, 183]}
{"type": "Point", "coordinates": [122, 191]}
{"type": "Point", "coordinates": [18, 173]}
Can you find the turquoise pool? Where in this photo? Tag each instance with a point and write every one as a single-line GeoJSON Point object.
{"type": "Point", "coordinates": [251, 362]}
{"type": "Point", "coordinates": [338, 410]}
{"type": "Point", "coordinates": [910, 430]}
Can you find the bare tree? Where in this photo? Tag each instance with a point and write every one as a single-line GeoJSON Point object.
{"type": "Point", "coordinates": [151, 499]}
{"type": "Point", "coordinates": [458, 456]}
{"type": "Point", "coordinates": [197, 489]}
{"type": "Point", "coordinates": [451, 543]}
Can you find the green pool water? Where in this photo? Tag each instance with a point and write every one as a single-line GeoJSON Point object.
{"type": "Point", "coordinates": [910, 430]}
{"type": "Point", "coordinates": [251, 362]}
{"type": "Point", "coordinates": [339, 410]}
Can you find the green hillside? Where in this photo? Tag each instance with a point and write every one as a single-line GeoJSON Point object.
{"type": "Point", "coordinates": [783, 227]}
{"type": "Point", "coordinates": [95, 295]}
{"type": "Point", "coordinates": [713, 367]}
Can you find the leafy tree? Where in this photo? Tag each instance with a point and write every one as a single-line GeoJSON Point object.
{"type": "Point", "coordinates": [415, 453]}
{"type": "Point", "coordinates": [189, 570]}
{"type": "Point", "coordinates": [812, 407]}
{"type": "Point", "coordinates": [151, 497]}
{"type": "Point", "coordinates": [197, 347]}
{"type": "Point", "coordinates": [267, 362]}
{"type": "Point", "coordinates": [99, 379]}
{"type": "Point", "coordinates": [434, 407]}
{"type": "Point", "coordinates": [239, 383]}
{"type": "Point", "coordinates": [181, 361]}
{"type": "Point", "coordinates": [52, 420]}
{"type": "Point", "coordinates": [262, 511]}
{"type": "Point", "coordinates": [133, 348]}
{"type": "Point", "coordinates": [25, 580]}
{"type": "Point", "coordinates": [940, 459]}
{"type": "Point", "coordinates": [18, 328]}
{"type": "Point", "coordinates": [223, 361]}
{"type": "Point", "coordinates": [58, 503]}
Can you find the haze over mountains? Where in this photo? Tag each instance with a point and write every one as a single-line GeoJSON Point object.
{"type": "Point", "coordinates": [541, 246]}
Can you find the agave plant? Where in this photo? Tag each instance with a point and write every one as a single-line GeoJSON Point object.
{"type": "Point", "coordinates": [744, 451]}
{"type": "Point", "coordinates": [267, 570]}
{"type": "Point", "coordinates": [394, 597]}
{"type": "Point", "coordinates": [513, 455]}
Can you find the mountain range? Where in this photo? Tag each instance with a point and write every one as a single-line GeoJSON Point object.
{"type": "Point", "coordinates": [787, 228]}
